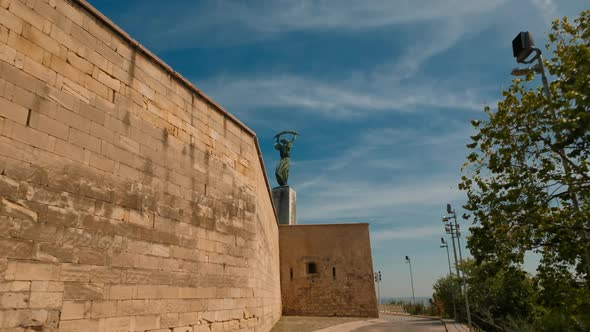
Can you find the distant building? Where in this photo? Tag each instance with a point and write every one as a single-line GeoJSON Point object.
{"type": "Point", "coordinates": [326, 270]}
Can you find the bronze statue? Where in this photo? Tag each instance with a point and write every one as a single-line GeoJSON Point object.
{"type": "Point", "coordinates": [284, 146]}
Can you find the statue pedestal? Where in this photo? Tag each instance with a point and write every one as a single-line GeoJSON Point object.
{"type": "Point", "coordinates": [285, 200]}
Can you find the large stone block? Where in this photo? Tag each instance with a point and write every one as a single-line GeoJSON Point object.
{"type": "Point", "coordinates": [11, 21]}
{"type": "Point", "coordinates": [32, 318]}
{"type": "Point", "coordinates": [44, 300]}
{"type": "Point", "coordinates": [13, 111]}
{"type": "Point", "coordinates": [16, 248]}
{"type": "Point", "coordinates": [16, 210]}
{"type": "Point", "coordinates": [83, 291]}
{"type": "Point", "coordinates": [115, 324]}
{"type": "Point", "coordinates": [21, 270]}
{"type": "Point", "coordinates": [12, 300]}
{"type": "Point", "coordinates": [75, 310]}
{"type": "Point", "coordinates": [79, 325]}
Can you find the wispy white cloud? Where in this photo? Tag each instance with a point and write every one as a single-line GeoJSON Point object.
{"type": "Point", "coordinates": [406, 233]}
{"type": "Point", "coordinates": [445, 35]}
{"type": "Point", "coordinates": [391, 86]}
{"type": "Point", "coordinates": [548, 8]}
{"type": "Point", "coordinates": [344, 185]}
{"type": "Point", "coordinates": [227, 22]}
{"type": "Point", "coordinates": [287, 15]}
{"type": "Point", "coordinates": [361, 199]}
{"type": "Point", "coordinates": [347, 99]}
{"type": "Point", "coordinates": [374, 151]}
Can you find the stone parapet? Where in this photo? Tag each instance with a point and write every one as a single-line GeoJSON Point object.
{"type": "Point", "coordinates": [129, 200]}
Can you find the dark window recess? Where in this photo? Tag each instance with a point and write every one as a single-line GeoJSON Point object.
{"type": "Point", "coordinates": [334, 273]}
{"type": "Point", "coordinates": [291, 273]}
{"type": "Point", "coordinates": [312, 268]}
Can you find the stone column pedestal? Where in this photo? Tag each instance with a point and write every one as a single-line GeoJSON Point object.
{"type": "Point", "coordinates": [285, 200]}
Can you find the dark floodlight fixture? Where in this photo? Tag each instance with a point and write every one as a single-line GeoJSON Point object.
{"type": "Point", "coordinates": [378, 276]}
{"type": "Point", "coordinates": [449, 209]}
{"type": "Point", "coordinates": [407, 259]}
{"type": "Point", "coordinates": [465, 216]}
{"type": "Point", "coordinates": [442, 240]}
{"type": "Point", "coordinates": [445, 219]}
{"type": "Point", "coordinates": [522, 46]}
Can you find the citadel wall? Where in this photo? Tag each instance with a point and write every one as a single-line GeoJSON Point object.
{"type": "Point", "coordinates": [327, 270]}
{"type": "Point", "coordinates": [129, 201]}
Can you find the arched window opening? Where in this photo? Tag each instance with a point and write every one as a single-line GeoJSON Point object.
{"type": "Point", "coordinates": [291, 273]}
{"type": "Point", "coordinates": [334, 273]}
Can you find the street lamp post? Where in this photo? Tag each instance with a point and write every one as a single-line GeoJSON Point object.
{"type": "Point", "coordinates": [446, 245]}
{"type": "Point", "coordinates": [453, 215]}
{"type": "Point", "coordinates": [378, 281]}
{"type": "Point", "coordinates": [522, 47]}
{"type": "Point", "coordinates": [454, 229]}
{"type": "Point", "coordinates": [450, 229]}
{"type": "Point", "coordinates": [411, 279]}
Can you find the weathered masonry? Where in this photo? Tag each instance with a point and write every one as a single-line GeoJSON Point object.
{"type": "Point", "coordinates": [129, 201]}
{"type": "Point", "coordinates": [327, 270]}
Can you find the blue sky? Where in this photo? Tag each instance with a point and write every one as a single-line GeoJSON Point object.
{"type": "Point", "coordinates": [381, 92]}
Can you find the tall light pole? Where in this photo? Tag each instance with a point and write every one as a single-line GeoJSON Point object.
{"type": "Point", "coordinates": [522, 47]}
{"type": "Point", "coordinates": [446, 245]}
{"type": "Point", "coordinates": [452, 215]}
{"type": "Point", "coordinates": [378, 281]}
{"type": "Point", "coordinates": [411, 279]}
{"type": "Point", "coordinates": [450, 229]}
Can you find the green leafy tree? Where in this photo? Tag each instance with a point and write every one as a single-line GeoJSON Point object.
{"type": "Point", "coordinates": [448, 292]}
{"type": "Point", "coordinates": [498, 296]}
{"type": "Point", "coordinates": [518, 190]}
{"type": "Point", "coordinates": [527, 177]}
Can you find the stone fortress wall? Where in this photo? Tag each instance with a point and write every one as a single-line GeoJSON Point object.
{"type": "Point", "coordinates": [129, 201]}
{"type": "Point", "coordinates": [340, 280]}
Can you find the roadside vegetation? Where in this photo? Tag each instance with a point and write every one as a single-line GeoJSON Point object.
{"type": "Point", "coordinates": [527, 179]}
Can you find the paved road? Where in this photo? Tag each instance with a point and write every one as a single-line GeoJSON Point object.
{"type": "Point", "coordinates": [390, 323]}
{"type": "Point", "coordinates": [348, 324]}
{"type": "Point", "coordinates": [310, 324]}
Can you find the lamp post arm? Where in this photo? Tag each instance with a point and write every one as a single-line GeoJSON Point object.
{"type": "Point", "coordinates": [539, 59]}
